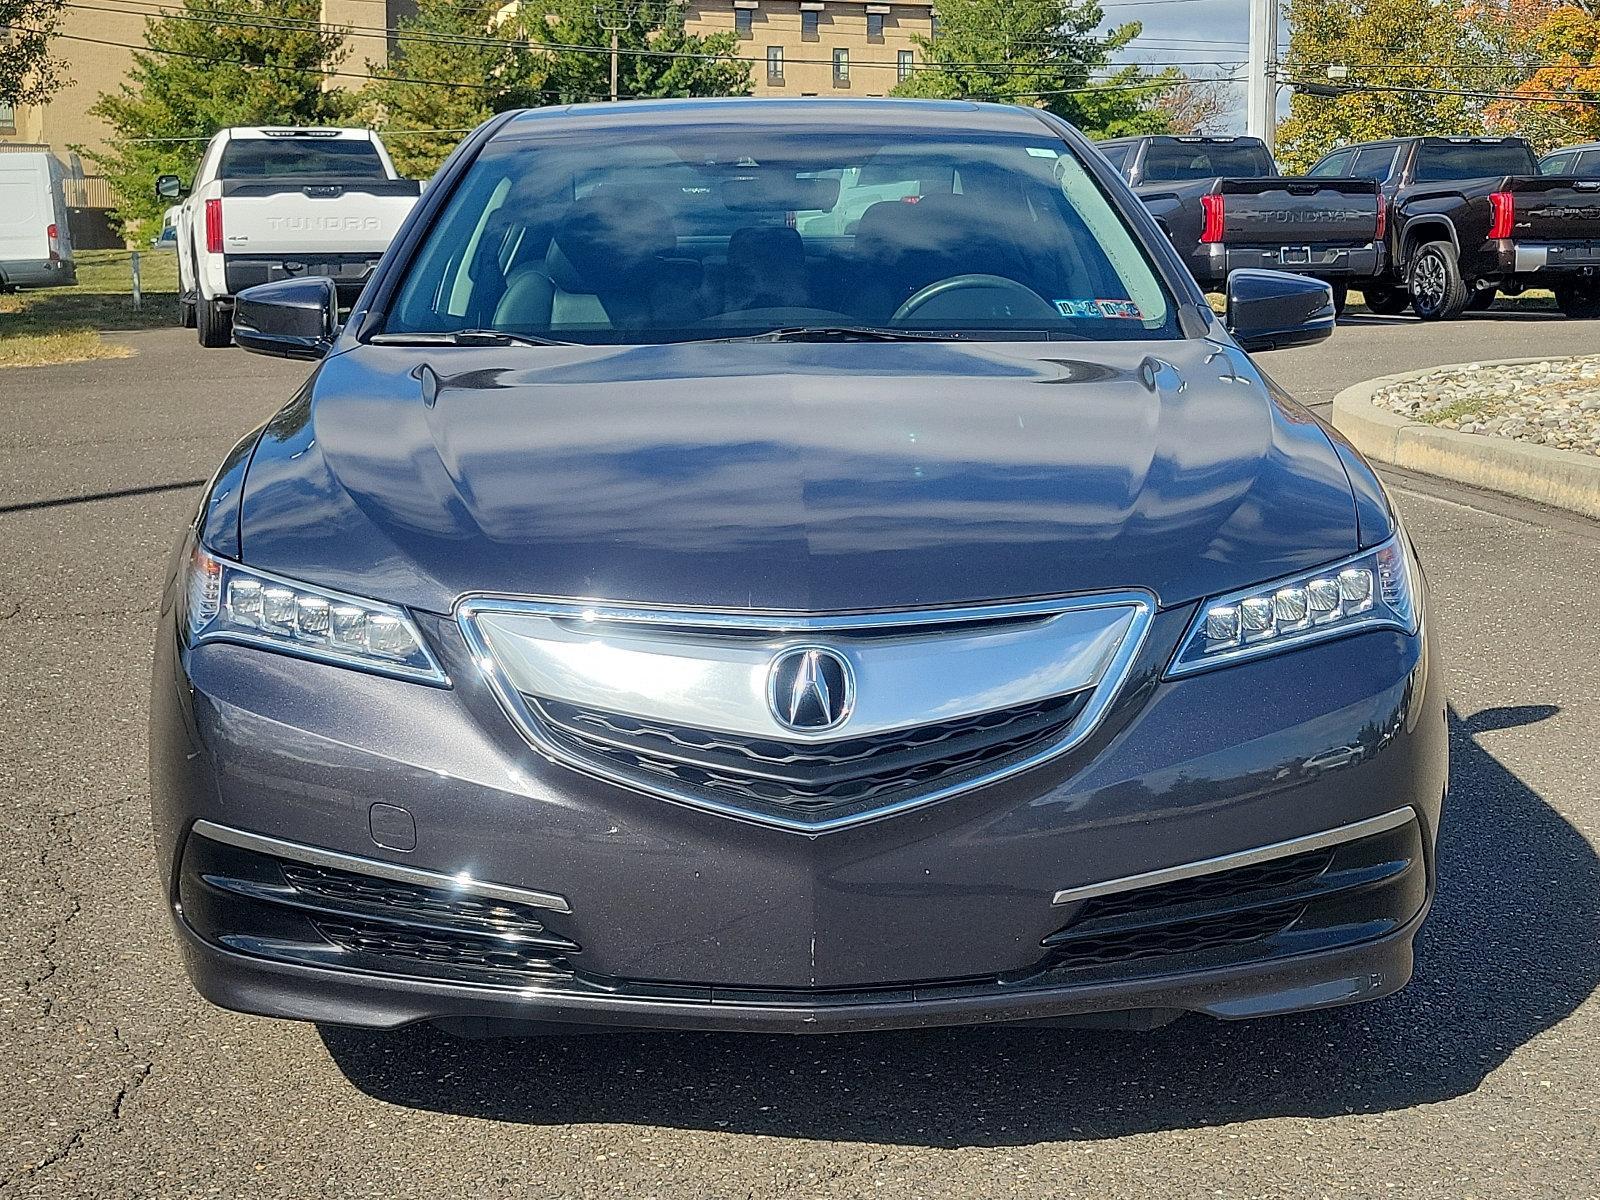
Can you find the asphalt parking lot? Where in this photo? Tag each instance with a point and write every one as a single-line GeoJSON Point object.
{"type": "Point", "coordinates": [1477, 1081]}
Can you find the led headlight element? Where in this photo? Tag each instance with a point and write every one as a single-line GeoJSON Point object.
{"type": "Point", "coordinates": [233, 603]}
{"type": "Point", "coordinates": [1371, 590]}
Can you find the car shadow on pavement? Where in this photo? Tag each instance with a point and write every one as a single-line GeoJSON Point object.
{"type": "Point", "coordinates": [1508, 952]}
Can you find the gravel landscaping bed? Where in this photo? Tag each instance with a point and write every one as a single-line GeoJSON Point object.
{"type": "Point", "coordinates": [1552, 403]}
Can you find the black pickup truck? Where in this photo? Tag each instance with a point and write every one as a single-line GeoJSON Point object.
{"type": "Point", "coordinates": [1224, 205]}
{"type": "Point", "coordinates": [1470, 217]}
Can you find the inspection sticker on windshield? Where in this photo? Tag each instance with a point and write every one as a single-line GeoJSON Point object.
{"type": "Point", "coordinates": [1043, 152]}
{"type": "Point", "coordinates": [1122, 310]}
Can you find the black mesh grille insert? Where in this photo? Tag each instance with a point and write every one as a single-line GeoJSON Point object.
{"type": "Point", "coordinates": [400, 899]}
{"type": "Point", "coordinates": [1177, 937]}
{"type": "Point", "coordinates": [809, 777]}
{"type": "Point", "coordinates": [1238, 883]}
{"type": "Point", "coordinates": [487, 952]}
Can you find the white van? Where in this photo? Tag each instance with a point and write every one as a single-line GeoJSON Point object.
{"type": "Point", "coordinates": [35, 247]}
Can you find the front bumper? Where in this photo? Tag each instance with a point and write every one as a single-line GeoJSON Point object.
{"type": "Point", "coordinates": [984, 907]}
{"type": "Point", "coordinates": [1213, 263]}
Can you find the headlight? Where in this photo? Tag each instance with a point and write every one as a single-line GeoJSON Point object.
{"type": "Point", "coordinates": [1368, 591]}
{"type": "Point", "coordinates": [228, 602]}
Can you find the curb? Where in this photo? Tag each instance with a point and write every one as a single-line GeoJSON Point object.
{"type": "Point", "coordinates": [1560, 478]}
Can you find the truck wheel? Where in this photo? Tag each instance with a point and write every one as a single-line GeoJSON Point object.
{"type": "Point", "coordinates": [1579, 300]}
{"type": "Point", "coordinates": [1386, 301]}
{"type": "Point", "coordinates": [1482, 300]}
{"type": "Point", "coordinates": [214, 323]}
{"type": "Point", "coordinates": [1434, 280]}
{"type": "Point", "coordinates": [186, 314]}
{"type": "Point", "coordinates": [1341, 295]}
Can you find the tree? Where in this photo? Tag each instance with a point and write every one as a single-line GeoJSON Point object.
{"type": "Point", "coordinates": [1202, 106]}
{"type": "Point", "coordinates": [456, 63]}
{"type": "Point", "coordinates": [29, 74]}
{"type": "Point", "coordinates": [209, 65]}
{"type": "Point", "coordinates": [1558, 96]}
{"type": "Point", "coordinates": [1408, 62]}
{"type": "Point", "coordinates": [1045, 53]}
{"type": "Point", "coordinates": [656, 55]}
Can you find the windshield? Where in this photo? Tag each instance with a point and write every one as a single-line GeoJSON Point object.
{"type": "Point", "coordinates": [1173, 161]}
{"type": "Point", "coordinates": [726, 231]}
{"type": "Point", "coordinates": [1438, 161]}
{"type": "Point", "coordinates": [302, 157]}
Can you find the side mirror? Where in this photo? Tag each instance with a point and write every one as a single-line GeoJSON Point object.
{"type": "Point", "coordinates": [170, 187]}
{"type": "Point", "coordinates": [1268, 310]}
{"type": "Point", "coordinates": [288, 318]}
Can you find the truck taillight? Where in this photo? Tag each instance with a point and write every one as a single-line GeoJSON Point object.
{"type": "Point", "coordinates": [1502, 214]}
{"type": "Point", "coordinates": [53, 237]}
{"type": "Point", "coordinates": [1381, 226]}
{"type": "Point", "coordinates": [1214, 211]}
{"type": "Point", "coordinates": [213, 226]}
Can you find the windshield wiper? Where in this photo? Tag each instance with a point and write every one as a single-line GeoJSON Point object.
{"type": "Point", "coordinates": [465, 337]}
{"type": "Point", "coordinates": [840, 333]}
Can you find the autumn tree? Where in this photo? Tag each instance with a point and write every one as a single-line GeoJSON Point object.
{"type": "Point", "coordinates": [1046, 53]}
{"type": "Point", "coordinates": [1410, 67]}
{"type": "Point", "coordinates": [29, 73]}
{"type": "Point", "coordinates": [208, 65]}
{"type": "Point", "coordinates": [1557, 97]}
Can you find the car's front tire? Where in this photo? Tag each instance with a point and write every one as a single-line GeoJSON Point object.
{"type": "Point", "coordinates": [1579, 300]}
{"type": "Point", "coordinates": [1385, 301]}
{"type": "Point", "coordinates": [213, 323]}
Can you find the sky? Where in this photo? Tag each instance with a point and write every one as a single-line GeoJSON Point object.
{"type": "Point", "coordinates": [1203, 37]}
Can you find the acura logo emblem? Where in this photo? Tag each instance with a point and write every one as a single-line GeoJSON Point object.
{"type": "Point", "coordinates": [810, 688]}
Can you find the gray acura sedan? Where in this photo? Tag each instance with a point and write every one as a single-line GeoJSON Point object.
{"type": "Point", "coordinates": [806, 566]}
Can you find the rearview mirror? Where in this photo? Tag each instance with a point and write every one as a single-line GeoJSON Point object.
{"type": "Point", "coordinates": [288, 318]}
{"type": "Point", "coordinates": [1268, 310]}
{"type": "Point", "coordinates": [170, 187]}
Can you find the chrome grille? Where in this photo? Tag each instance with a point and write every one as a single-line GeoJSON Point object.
{"type": "Point", "coordinates": [682, 703]}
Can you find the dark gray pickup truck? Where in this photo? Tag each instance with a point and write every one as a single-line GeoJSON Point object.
{"type": "Point", "coordinates": [1224, 205]}
{"type": "Point", "coordinates": [1472, 216]}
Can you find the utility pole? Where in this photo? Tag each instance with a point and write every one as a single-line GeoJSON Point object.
{"type": "Point", "coordinates": [613, 16]}
{"type": "Point", "coordinates": [1261, 111]}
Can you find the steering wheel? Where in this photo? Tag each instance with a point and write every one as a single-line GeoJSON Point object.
{"type": "Point", "coordinates": [1007, 298]}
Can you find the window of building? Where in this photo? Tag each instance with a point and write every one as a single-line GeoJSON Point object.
{"type": "Point", "coordinates": [8, 119]}
{"type": "Point", "coordinates": [841, 67]}
{"type": "Point", "coordinates": [902, 61]}
{"type": "Point", "coordinates": [774, 64]}
{"type": "Point", "coordinates": [808, 25]}
{"type": "Point", "coordinates": [874, 27]}
{"type": "Point", "coordinates": [742, 20]}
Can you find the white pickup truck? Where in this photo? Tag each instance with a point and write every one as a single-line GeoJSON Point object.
{"type": "Point", "coordinates": [278, 204]}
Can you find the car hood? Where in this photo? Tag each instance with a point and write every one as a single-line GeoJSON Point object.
{"type": "Point", "coordinates": [793, 476]}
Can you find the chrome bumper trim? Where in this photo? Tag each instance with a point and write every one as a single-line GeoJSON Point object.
{"type": "Point", "coordinates": [1528, 257]}
{"type": "Point", "coordinates": [460, 882]}
{"type": "Point", "coordinates": [1243, 858]}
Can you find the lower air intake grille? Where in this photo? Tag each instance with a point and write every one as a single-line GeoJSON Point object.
{"type": "Point", "coordinates": [810, 778]}
{"type": "Point", "coordinates": [445, 949]}
{"type": "Point", "coordinates": [397, 898]}
{"type": "Point", "coordinates": [1177, 937]}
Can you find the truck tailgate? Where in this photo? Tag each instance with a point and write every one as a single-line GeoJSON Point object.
{"type": "Point", "coordinates": [1295, 211]}
{"type": "Point", "coordinates": [286, 216]}
{"type": "Point", "coordinates": [1554, 208]}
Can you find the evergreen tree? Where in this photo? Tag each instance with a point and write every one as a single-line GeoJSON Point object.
{"type": "Point", "coordinates": [29, 74]}
{"type": "Point", "coordinates": [211, 64]}
{"type": "Point", "coordinates": [456, 63]}
{"type": "Point", "coordinates": [657, 56]}
{"type": "Point", "coordinates": [1045, 53]}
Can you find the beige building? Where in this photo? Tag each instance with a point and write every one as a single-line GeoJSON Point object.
{"type": "Point", "coordinates": [821, 47]}
{"type": "Point", "coordinates": [796, 48]}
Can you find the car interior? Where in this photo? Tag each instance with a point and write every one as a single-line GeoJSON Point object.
{"type": "Point", "coordinates": [892, 241]}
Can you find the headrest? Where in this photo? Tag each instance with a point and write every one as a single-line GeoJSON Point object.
{"type": "Point", "coordinates": [766, 247]}
{"type": "Point", "coordinates": [606, 235]}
